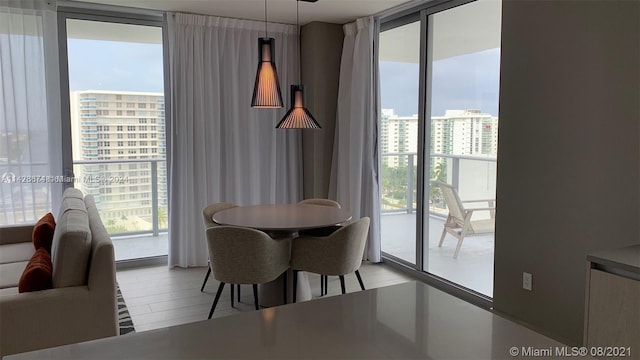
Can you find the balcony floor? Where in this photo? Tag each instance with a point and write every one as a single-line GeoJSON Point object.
{"type": "Point", "coordinates": [472, 269]}
{"type": "Point", "coordinates": [140, 246]}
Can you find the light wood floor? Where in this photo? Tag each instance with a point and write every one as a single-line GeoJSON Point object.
{"type": "Point", "coordinates": [159, 297]}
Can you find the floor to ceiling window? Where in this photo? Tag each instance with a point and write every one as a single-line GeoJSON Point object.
{"type": "Point", "coordinates": [117, 127]}
{"type": "Point", "coordinates": [451, 132]}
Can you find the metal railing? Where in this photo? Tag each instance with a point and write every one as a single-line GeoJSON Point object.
{"type": "Point", "coordinates": [448, 170]}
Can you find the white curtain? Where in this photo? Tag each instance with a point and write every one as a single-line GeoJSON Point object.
{"type": "Point", "coordinates": [354, 181]}
{"type": "Point", "coordinates": [30, 141]}
{"type": "Point", "coordinates": [220, 148]}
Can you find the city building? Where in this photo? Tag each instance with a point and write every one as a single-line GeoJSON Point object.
{"type": "Point", "coordinates": [122, 134]}
{"type": "Point", "coordinates": [457, 132]}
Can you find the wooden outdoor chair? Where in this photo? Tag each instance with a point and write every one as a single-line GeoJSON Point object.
{"type": "Point", "coordinates": [459, 222]}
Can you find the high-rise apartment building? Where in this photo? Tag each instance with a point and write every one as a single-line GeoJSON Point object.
{"type": "Point", "coordinates": [458, 132]}
{"type": "Point", "coordinates": [464, 132]}
{"type": "Point", "coordinates": [398, 134]}
{"type": "Point", "coordinates": [117, 131]}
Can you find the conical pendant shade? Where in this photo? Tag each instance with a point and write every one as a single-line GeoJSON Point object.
{"type": "Point", "coordinates": [266, 91]}
{"type": "Point", "coordinates": [298, 117]}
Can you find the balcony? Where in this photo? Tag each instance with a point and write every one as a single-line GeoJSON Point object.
{"type": "Point", "coordinates": [474, 178]}
{"type": "Point", "coordinates": [135, 214]}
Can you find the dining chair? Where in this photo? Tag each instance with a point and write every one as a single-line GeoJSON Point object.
{"type": "Point", "coordinates": [207, 217]}
{"type": "Point", "coordinates": [335, 255]}
{"type": "Point", "coordinates": [326, 231]}
{"type": "Point", "coordinates": [320, 201]}
{"type": "Point", "coordinates": [245, 256]}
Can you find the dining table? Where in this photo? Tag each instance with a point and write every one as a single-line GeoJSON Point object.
{"type": "Point", "coordinates": [283, 222]}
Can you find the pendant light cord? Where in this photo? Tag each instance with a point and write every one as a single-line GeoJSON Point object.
{"type": "Point", "coordinates": [299, 41]}
{"type": "Point", "coordinates": [266, 34]}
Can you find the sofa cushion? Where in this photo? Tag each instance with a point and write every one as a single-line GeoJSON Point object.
{"type": "Point", "coordinates": [72, 193]}
{"type": "Point", "coordinates": [42, 235]}
{"type": "Point", "coordinates": [10, 273]}
{"type": "Point", "coordinates": [71, 247]}
{"type": "Point", "coordinates": [38, 273]}
{"type": "Point", "coordinates": [18, 252]}
{"type": "Point", "coordinates": [9, 291]}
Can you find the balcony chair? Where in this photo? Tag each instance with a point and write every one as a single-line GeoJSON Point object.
{"type": "Point", "coordinates": [207, 217]}
{"type": "Point", "coordinates": [459, 223]}
{"type": "Point", "coordinates": [337, 254]}
{"type": "Point", "coordinates": [245, 256]}
{"type": "Point", "coordinates": [321, 232]}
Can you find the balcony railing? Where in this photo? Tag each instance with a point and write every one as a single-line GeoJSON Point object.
{"type": "Point", "coordinates": [129, 202]}
{"type": "Point", "coordinates": [474, 177]}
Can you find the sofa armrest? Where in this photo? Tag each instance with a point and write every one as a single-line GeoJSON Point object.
{"type": "Point", "coordinates": [42, 319]}
{"type": "Point", "coordinates": [15, 234]}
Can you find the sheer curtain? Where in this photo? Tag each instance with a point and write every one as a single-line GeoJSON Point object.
{"type": "Point", "coordinates": [220, 148]}
{"type": "Point", "coordinates": [30, 145]}
{"type": "Point", "coordinates": [354, 180]}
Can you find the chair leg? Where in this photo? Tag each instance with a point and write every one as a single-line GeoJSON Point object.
{"type": "Point", "coordinates": [232, 295]}
{"type": "Point", "coordinates": [326, 284]}
{"type": "Point", "coordinates": [285, 286]}
{"type": "Point", "coordinates": [206, 278]}
{"type": "Point", "coordinates": [342, 284]}
{"type": "Point", "coordinates": [238, 293]}
{"type": "Point", "coordinates": [444, 231]}
{"type": "Point", "coordinates": [255, 296]}
{"type": "Point", "coordinates": [455, 254]}
{"type": "Point", "coordinates": [321, 285]}
{"type": "Point", "coordinates": [215, 301]}
{"type": "Point", "coordinates": [360, 280]}
{"type": "Point", "coordinates": [295, 284]}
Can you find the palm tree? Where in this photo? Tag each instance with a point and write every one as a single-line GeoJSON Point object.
{"type": "Point", "coordinates": [162, 218]}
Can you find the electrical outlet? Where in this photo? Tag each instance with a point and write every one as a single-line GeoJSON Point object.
{"type": "Point", "coordinates": [527, 280]}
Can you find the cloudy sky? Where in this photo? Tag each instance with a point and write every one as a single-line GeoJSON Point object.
{"type": "Point", "coordinates": [111, 65]}
{"type": "Point", "coordinates": [459, 83]}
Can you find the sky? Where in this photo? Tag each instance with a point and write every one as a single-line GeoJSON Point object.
{"type": "Point", "coordinates": [111, 65]}
{"type": "Point", "coordinates": [463, 82]}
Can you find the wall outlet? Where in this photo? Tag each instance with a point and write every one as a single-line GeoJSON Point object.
{"type": "Point", "coordinates": [527, 280]}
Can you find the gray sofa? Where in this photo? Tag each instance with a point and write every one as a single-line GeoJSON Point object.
{"type": "Point", "coordinates": [82, 303]}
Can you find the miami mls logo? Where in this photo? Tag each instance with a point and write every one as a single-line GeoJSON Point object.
{"type": "Point", "coordinates": [8, 178]}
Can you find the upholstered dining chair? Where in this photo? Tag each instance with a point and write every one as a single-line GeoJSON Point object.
{"type": "Point", "coordinates": [321, 231]}
{"type": "Point", "coordinates": [245, 256]}
{"type": "Point", "coordinates": [320, 201]}
{"type": "Point", "coordinates": [207, 218]}
{"type": "Point", "coordinates": [336, 255]}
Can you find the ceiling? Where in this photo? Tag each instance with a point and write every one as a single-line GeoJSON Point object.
{"type": "Point", "coordinates": [280, 11]}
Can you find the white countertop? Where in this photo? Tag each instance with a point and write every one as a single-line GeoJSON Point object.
{"type": "Point", "coordinates": [409, 320]}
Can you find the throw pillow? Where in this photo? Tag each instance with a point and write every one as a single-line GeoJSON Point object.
{"type": "Point", "coordinates": [38, 274]}
{"type": "Point", "coordinates": [43, 232]}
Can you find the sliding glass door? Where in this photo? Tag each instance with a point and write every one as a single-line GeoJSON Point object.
{"type": "Point", "coordinates": [117, 127]}
{"type": "Point", "coordinates": [454, 141]}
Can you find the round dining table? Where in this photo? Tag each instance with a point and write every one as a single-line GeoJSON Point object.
{"type": "Point", "coordinates": [283, 221]}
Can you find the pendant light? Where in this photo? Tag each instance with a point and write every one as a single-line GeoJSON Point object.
{"type": "Point", "coordinates": [298, 117]}
{"type": "Point", "coordinates": [266, 90]}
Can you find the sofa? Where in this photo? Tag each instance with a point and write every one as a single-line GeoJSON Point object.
{"type": "Point", "coordinates": [81, 305]}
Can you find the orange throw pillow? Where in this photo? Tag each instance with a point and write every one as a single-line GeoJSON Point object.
{"type": "Point", "coordinates": [43, 232]}
{"type": "Point", "coordinates": [38, 274]}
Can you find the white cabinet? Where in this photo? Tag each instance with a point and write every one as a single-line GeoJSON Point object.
{"type": "Point", "coordinates": [612, 313]}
